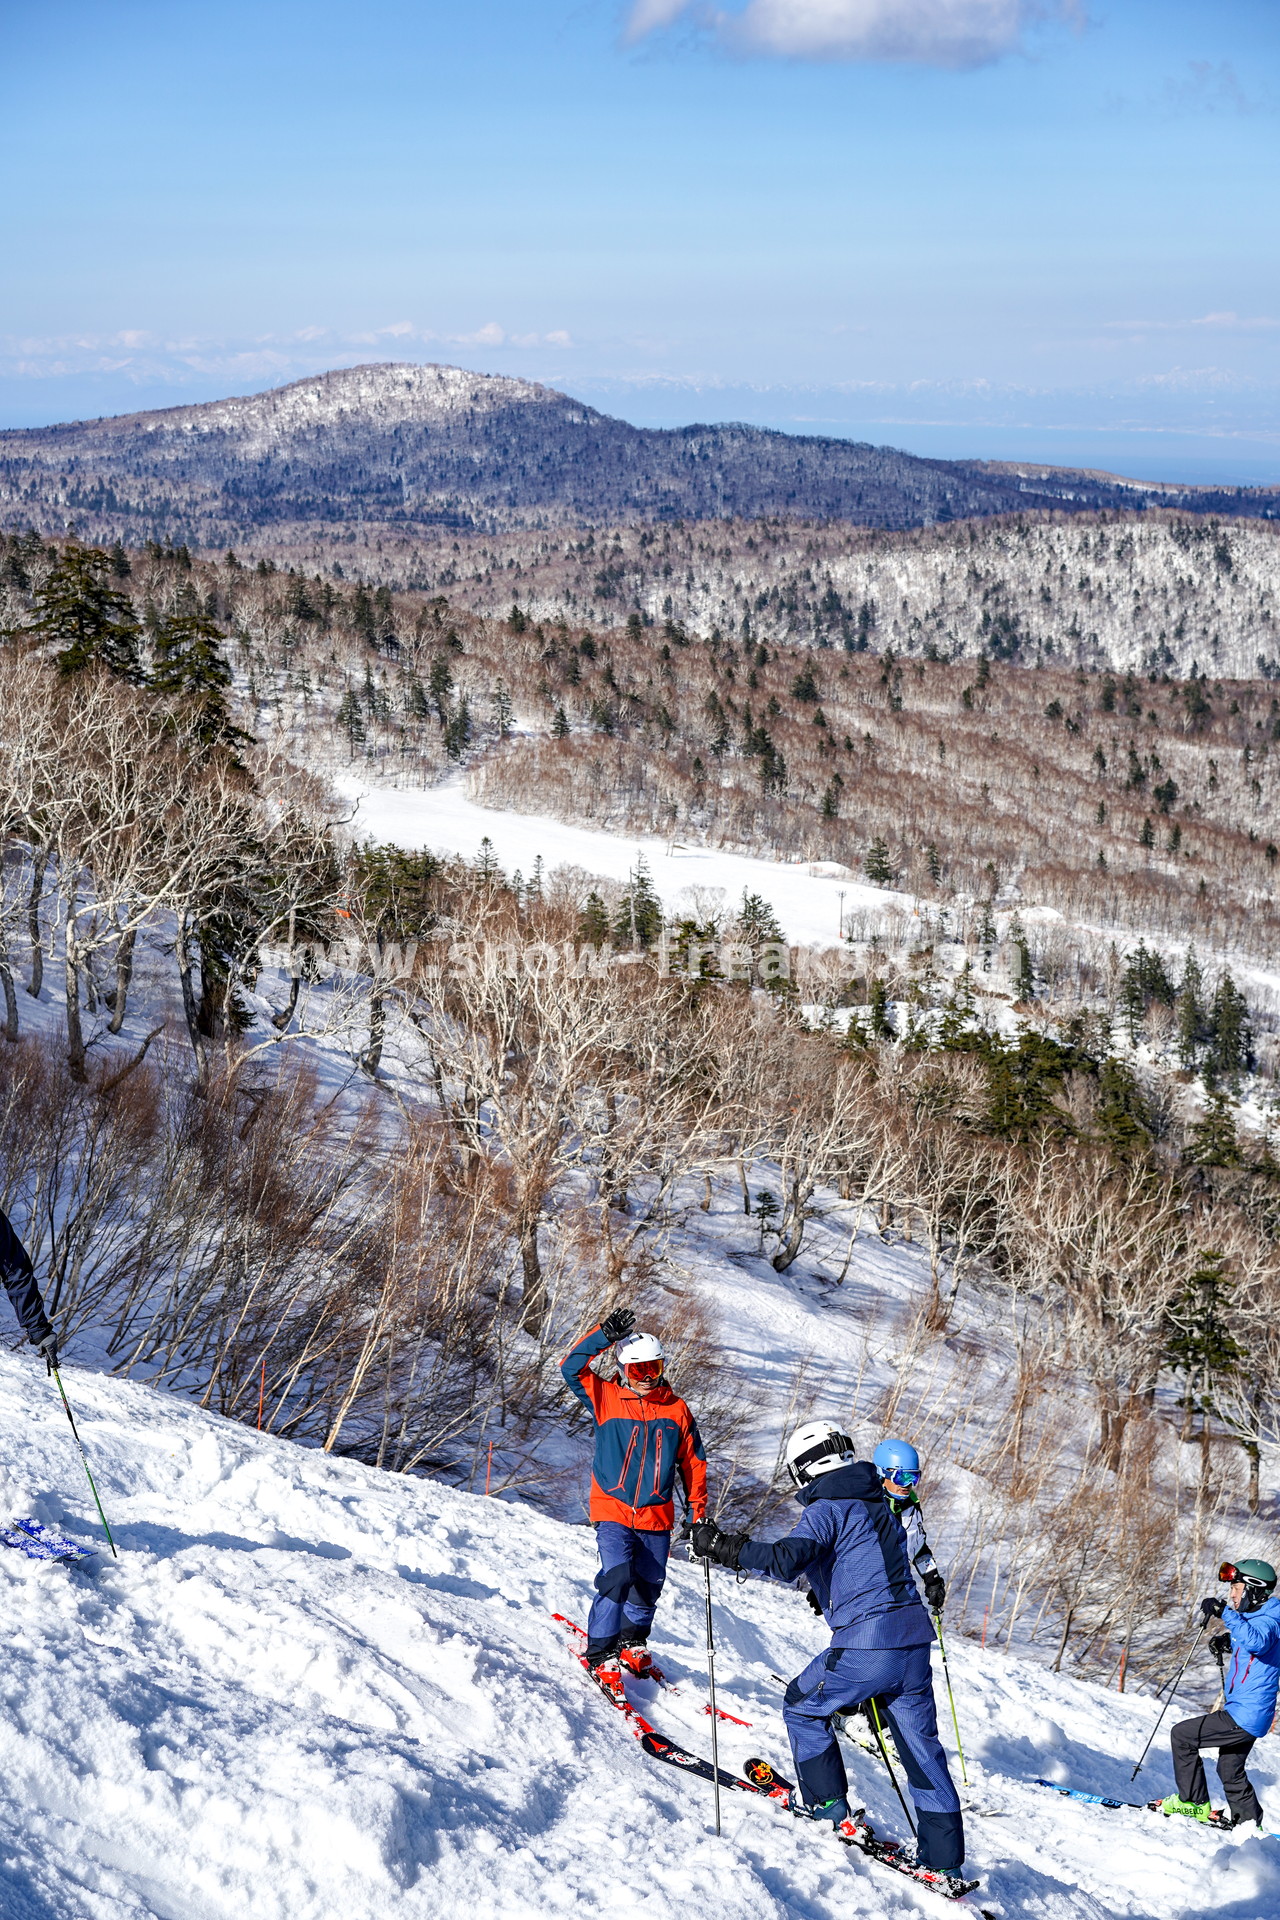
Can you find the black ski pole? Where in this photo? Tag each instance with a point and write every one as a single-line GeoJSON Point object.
{"type": "Point", "coordinates": [884, 1755]}
{"type": "Point", "coordinates": [85, 1458]}
{"type": "Point", "coordinates": [1165, 1708]}
{"type": "Point", "coordinates": [711, 1675]}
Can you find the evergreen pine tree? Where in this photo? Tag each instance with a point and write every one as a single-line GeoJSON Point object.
{"type": "Point", "coordinates": [188, 666]}
{"type": "Point", "coordinates": [1190, 1011]}
{"type": "Point", "coordinates": [560, 725]}
{"type": "Point", "coordinates": [1211, 1140]}
{"type": "Point", "coordinates": [351, 717]}
{"type": "Point", "coordinates": [1121, 1120]}
{"type": "Point", "coordinates": [1198, 1340]}
{"type": "Point", "coordinates": [440, 685]}
{"type": "Point", "coordinates": [876, 864]}
{"type": "Point", "coordinates": [593, 922]}
{"type": "Point", "coordinates": [639, 918]}
{"type": "Point", "coordinates": [756, 922]}
{"type": "Point", "coordinates": [1230, 1033]}
{"type": "Point", "coordinates": [881, 1010]}
{"type": "Point", "coordinates": [457, 733]}
{"type": "Point", "coordinates": [362, 614]}
{"type": "Point", "coordinates": [485, 865]}
{"type": "Point", "coordinates": [90, 623]}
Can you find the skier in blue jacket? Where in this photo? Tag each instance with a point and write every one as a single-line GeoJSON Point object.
{"type": "Point", "coordinates": [853, 1551]}
{"type": "Point", "coordinates": [1251, 1678]}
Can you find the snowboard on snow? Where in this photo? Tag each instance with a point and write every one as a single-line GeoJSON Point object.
{"type": "Point", "coordinates": [38, 1542]}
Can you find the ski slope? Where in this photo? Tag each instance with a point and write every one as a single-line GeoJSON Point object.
{"type": "Point", "coordinates": [310, 1691]}
{"type": "Point", "coordinates": [811, 900]}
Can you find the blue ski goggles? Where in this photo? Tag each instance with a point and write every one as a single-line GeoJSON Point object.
{"type": "Point", "coordinates": [904, 1476]}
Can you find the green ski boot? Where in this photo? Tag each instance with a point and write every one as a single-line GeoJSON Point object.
{"type": "Point", "coordinates": [1193, 1809]}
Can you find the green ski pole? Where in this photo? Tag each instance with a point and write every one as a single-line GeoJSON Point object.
{"type": "Point", "coordinates": [942, 1647]}
{"type": "Point", "coordinates": [84, 1456]}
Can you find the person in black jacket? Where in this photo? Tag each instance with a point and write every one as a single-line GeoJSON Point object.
{"type": "Point", "coordinates": [19, 1280]}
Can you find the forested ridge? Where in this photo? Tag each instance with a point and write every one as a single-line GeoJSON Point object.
{"type": "Point", "coordinates": [394, 452]}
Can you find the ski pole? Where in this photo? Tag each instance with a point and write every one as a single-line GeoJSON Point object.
{"type": "Point", "coordinates": [84, 1456]}
{"type": "Point", "coordinates": [711, 1675]}
{"type": "Point", "coordinates": [946, 1673]}
{"type": "Point", "coordinates": [1165, 1708]}
{"type": "Point", "coordinates": [884, 1755]}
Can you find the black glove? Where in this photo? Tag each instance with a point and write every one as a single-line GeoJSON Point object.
{"type": "Point", "coordinates": [618, 1324]}
{"type": "Point", "coordinates": [722, 1549]}
{"type": "Point", "coordinates": [1220, 1646]}
{"type": "Point", "coordinates": [935, 1591]}
{"type": "Point", "coordinates": [49, 1348]}
{"type": "Point", "coordinates": [1211, 1609]}
{"type": "Point", "coordinates": [814, 1602]}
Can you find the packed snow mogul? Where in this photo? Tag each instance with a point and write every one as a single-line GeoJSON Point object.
{"type": "Point", "coordinates": [18, 1275]}
{"type": "Point", "coordinates": [645, 1436]}
{"type": "Point", "coordinates": [898, 1465]}
{"type": "Point", "coordinates": [1249, 1650]}
{"type": "Point", "coordinates": [853, 1550]}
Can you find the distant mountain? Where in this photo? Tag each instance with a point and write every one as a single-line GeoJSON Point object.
{"type": "Point", "coordinates": [409, 447]}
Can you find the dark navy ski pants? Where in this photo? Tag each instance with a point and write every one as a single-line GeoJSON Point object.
{"type": "Point", "coordinates": [901, 1680]}
{"type": "Point", "coordinates": [633, 1567]}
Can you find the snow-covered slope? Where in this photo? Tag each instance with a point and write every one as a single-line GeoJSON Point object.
{"type": "Point", "coordinates": [812, 900]}
{"type": "Point", "coordinates": [310, 1691]}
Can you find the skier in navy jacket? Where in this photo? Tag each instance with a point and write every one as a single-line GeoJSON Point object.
{"type": "Point", "coordinates": [1250, 1682]}
{"type": "Point", "coordinates": [19, 1280]}
{"type": "Point", "coordinates": [853, 1551]}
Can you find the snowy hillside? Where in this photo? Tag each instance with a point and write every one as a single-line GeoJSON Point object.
{"type": "Point", "coordinates": [309, 1690]}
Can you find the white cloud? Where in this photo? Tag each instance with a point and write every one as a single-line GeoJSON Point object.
{"type": "Point", "coordinates": [938, 33]}
{"type": "Point", "coordinates": [1215, 322]}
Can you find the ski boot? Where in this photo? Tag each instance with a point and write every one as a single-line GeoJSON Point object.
{"type": "Point", "coordinates": [636, 1658]}
{"type": "Point", "coordinates": [1192, 1809]}
{"type": "Point", "coordinates": [607, 1673]}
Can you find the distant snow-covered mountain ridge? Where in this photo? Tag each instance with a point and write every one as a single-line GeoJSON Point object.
{"type": "Point", "coordinates": [412, 448]}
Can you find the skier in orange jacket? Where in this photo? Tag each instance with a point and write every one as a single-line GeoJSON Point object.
{"type": "Point", "coordinates": [645, 1435]}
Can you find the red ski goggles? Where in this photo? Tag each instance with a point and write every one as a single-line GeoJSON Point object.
{"type": "Point", "coordinates": [643, 1373]}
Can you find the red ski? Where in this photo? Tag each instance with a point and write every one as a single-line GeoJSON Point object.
{"type": "Point", "coordinates": [645, 1668]}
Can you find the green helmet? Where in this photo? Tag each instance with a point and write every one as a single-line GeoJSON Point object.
{"type": "Point", "coordinates": [1257, 1573]}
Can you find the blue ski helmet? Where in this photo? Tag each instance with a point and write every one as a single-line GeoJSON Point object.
{"type": "Point", "coordinates": [894, 1457]}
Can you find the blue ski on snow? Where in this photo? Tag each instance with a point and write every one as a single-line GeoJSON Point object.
{"type": "Point", "coordinates": [39, 1542]}
{"type": "Point", "coordinates": [1218, 1820]}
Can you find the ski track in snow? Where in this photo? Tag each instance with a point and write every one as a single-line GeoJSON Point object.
{"type": "Point", "coordinates": [311, 1691]}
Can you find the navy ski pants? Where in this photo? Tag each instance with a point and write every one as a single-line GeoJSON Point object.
{"type": "Point", "coordinates": [901, 1680]}
{"type": "Point", "coordinates": [633, 1568]}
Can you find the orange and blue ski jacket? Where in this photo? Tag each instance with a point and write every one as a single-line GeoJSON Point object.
{"type": "Point", "coordinates": [642, 1440]}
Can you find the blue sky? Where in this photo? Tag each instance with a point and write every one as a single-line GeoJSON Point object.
{"type": "Point", "coordinates": [963, 226]}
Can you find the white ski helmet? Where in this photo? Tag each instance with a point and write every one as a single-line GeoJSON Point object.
{"type": "Point", "coordinates": [817, 1447]}
{"type": "Point", "coordinates": [640, 1346]}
